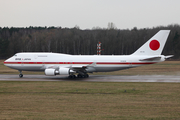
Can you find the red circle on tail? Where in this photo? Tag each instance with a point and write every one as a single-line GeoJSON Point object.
{"type": "Point", "coordinates": [154, 45]}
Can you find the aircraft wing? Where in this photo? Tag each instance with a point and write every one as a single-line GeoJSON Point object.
{"type": "Point", "coordinates": [78, 67]}
{"type": "Point", "coordinates": [84, 68]}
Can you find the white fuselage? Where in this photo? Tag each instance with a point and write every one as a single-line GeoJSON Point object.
{"type": "Point", "coordinates": [93, 63]}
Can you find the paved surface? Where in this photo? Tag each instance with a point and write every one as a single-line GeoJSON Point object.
{"type": "Point", "coordinates": [95, 78]}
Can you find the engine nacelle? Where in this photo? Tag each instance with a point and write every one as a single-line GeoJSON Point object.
{"type": "Point", "coordinates": [64, 71]}
{"type": "Point", "coordinates": [50, 72]}
{"type": "Point", "coordinates": [61, 71]}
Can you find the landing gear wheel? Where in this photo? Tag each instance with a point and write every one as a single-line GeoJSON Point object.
{"type": "Point", "coordinates": [72, 76]}
{"type": "Point", "coordinates": [20, 75]}
{"type": "Point", "coordinates": [83, 76]}
{"type": "Point", "coordinates": [86, 75]}
{"type": "Point", "coordinates": [79, 76]}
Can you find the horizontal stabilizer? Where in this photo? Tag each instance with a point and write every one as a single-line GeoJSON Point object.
{"type": "Point", "coordinates": [151, 59]}
{"type": "Point", "coordinates": [169, 56]}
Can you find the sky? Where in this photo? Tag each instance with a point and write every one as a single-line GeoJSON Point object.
{"type": "Point", "coordinates": [125, 14]}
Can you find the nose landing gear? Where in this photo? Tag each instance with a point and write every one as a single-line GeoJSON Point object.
{"type": "Point", "coordinates": [20, 75]}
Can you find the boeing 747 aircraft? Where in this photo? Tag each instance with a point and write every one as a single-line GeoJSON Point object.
{"type": "Point", "coordinates": [80, 65]}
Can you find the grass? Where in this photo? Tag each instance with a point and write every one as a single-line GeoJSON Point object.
{"type": "Point", "coordinates": [93, 100]}
{"type": "Point", "coordinates": [89, 100]}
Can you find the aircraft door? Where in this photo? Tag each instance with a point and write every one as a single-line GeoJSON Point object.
{"type": "Point", "coordinates": [22, 62]}
{"type": "Point", "coordinates": [43, 64]}
{"type": "Point", "coordinates": [130, 63]}
{"type": "Point", "coordinates": [35, 56]}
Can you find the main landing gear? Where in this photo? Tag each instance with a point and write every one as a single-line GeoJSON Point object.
{"type": "Point", "coordinates": [79, 76]}
{"type": "Point", "coordinates": [83, 76]}
{"type": "Point", "coordinates": [20, 75]}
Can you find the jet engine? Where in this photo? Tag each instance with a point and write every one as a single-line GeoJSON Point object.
{"type": "Point", "coordinates": [61, 71]}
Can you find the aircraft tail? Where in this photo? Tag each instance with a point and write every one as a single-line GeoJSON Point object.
{"type": "Point", "coordinates": [155, 45]}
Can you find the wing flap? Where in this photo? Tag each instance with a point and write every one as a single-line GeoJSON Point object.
{"type": "Point", "coordinates": [84, 68]}
{"type": "Point", "coordinates": [78, 66]}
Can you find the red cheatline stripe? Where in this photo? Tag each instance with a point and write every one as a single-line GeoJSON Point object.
{"type": "Point", "coordinates": [102, 63]}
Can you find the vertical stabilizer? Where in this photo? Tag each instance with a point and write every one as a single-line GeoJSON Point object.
{"type": "Point", "coordinates": [155, 45]}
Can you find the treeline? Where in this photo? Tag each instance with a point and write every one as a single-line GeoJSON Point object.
{"type": "Point", "coordinates": [76, 41]}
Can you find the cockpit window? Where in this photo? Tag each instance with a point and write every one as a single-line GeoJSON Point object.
{"type": "Point", "coordinates": [15, 55]}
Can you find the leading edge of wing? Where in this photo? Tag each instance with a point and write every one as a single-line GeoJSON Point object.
{"type": "Point", "coordinates": [83, 66]}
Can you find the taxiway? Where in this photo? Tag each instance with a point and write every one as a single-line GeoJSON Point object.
{"type": "Point", "coordinates": [95, 78]}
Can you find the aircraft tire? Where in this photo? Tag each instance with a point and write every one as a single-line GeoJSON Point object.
{"type": "Point", "coordinates": [87, 75]}
{"type": "Point", "coordinates": [82, 76]}
{"type": "Point", "coordinates": [20, 75]}
{"type": "Point", "coordinates": [72, 76]}
{"type": "Point", "coordinates": [79, 76]}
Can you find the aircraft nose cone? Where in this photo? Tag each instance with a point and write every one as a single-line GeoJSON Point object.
{"type": "Point", "coordinates": [6, 63]}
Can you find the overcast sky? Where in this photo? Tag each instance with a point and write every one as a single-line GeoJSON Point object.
{"type": "Point", "coordinates": [89, 13]}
